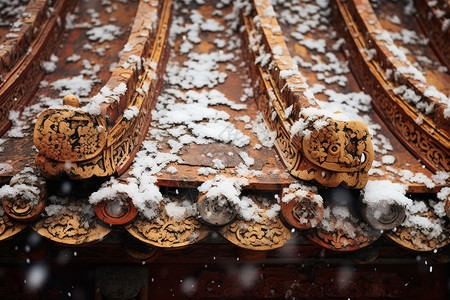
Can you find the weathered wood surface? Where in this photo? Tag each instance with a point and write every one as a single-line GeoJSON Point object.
{"type": "Point", "coordinates": [187, 175]}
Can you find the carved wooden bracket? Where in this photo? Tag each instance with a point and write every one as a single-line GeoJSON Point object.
{"type": "Point", "coordinates": [341, 228]}
{"type": "Point", "coordinates": [337, 153]}
{"type": "Point", "coordinates": [301, 206]}
{"type": "Point", "coordinates": [12, 49]}
{"type": "Point", "coordinates": [434, 25]}
{"type": "Point", "coordinates": [28, 196]}
{"type": "Point", "coordinates": [81, 143]}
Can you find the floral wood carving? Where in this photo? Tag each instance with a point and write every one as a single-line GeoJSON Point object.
{"type": "Point", "coordinates": [342, 231]}
{"type": "Point", "coordinates": [165, 232]}
{"type": "Point", "coordinates": [339, 153]}
{"type": "Point", "coordinates": [415, 239]}
{"type": "Point", "coordinates": [72, 142]}
{"type": "Point", "coordinates": [69, 135]}
{"type": "Point", "coordinates": [265, 235]}
{"type": "Point", "coordinates": [71, 227]}
{"type": "Point", "coordinates": [8, 227]}
{"type": "Point", "coordinates": [13, 48]}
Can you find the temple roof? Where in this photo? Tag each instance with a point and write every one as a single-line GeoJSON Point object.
{"type": "Point", "coordinates": [265, 124]}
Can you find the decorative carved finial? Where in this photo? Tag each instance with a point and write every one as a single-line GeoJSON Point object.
{"type": "Point", "coordinates": [311, 143]}
{"type": "Point", "coordinates": [215, 212]}
{"type": "Point", "coordinates": [99, 140]}
{"type": "Point", "coordinates": [71, 100]}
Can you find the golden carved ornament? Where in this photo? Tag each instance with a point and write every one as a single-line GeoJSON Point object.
{"type": "Point", "coordinates": [413, 238]}
{"type": "Point", "coordinates": [165, 232]}
{"type": "Point", "coordinates": [340, 146]}
{"type": "Point", "coordinates": [73, 142]}
{"type": "Point", "coordinates": [343, 233]}
{"type": "Point", "coordinates": [339, 153]}
{"type": "Point", "coordinates": [69, 135]}
{"type": "Point", "coordinates": [72, 226]}
{"type": "Point", "coordinates": [267, 234]}
{"type": "Point", "coordinates": [9, 228]}
{"type": "Point", "coordinates": [21, 55]}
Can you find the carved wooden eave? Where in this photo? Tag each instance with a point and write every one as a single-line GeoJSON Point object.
{"type": "Point", "coordinates": [430, 140]}
{"type": "Point", "coordinates": [76, 143]}
{"type": "Point", "coordinates": [434, 26]}
{"type": "Point", "coordinates": [20, 74]}
{"type": "Point", "coordinates": [341, 152]}
{"type": "Point", "coordinates": [342, 239]}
